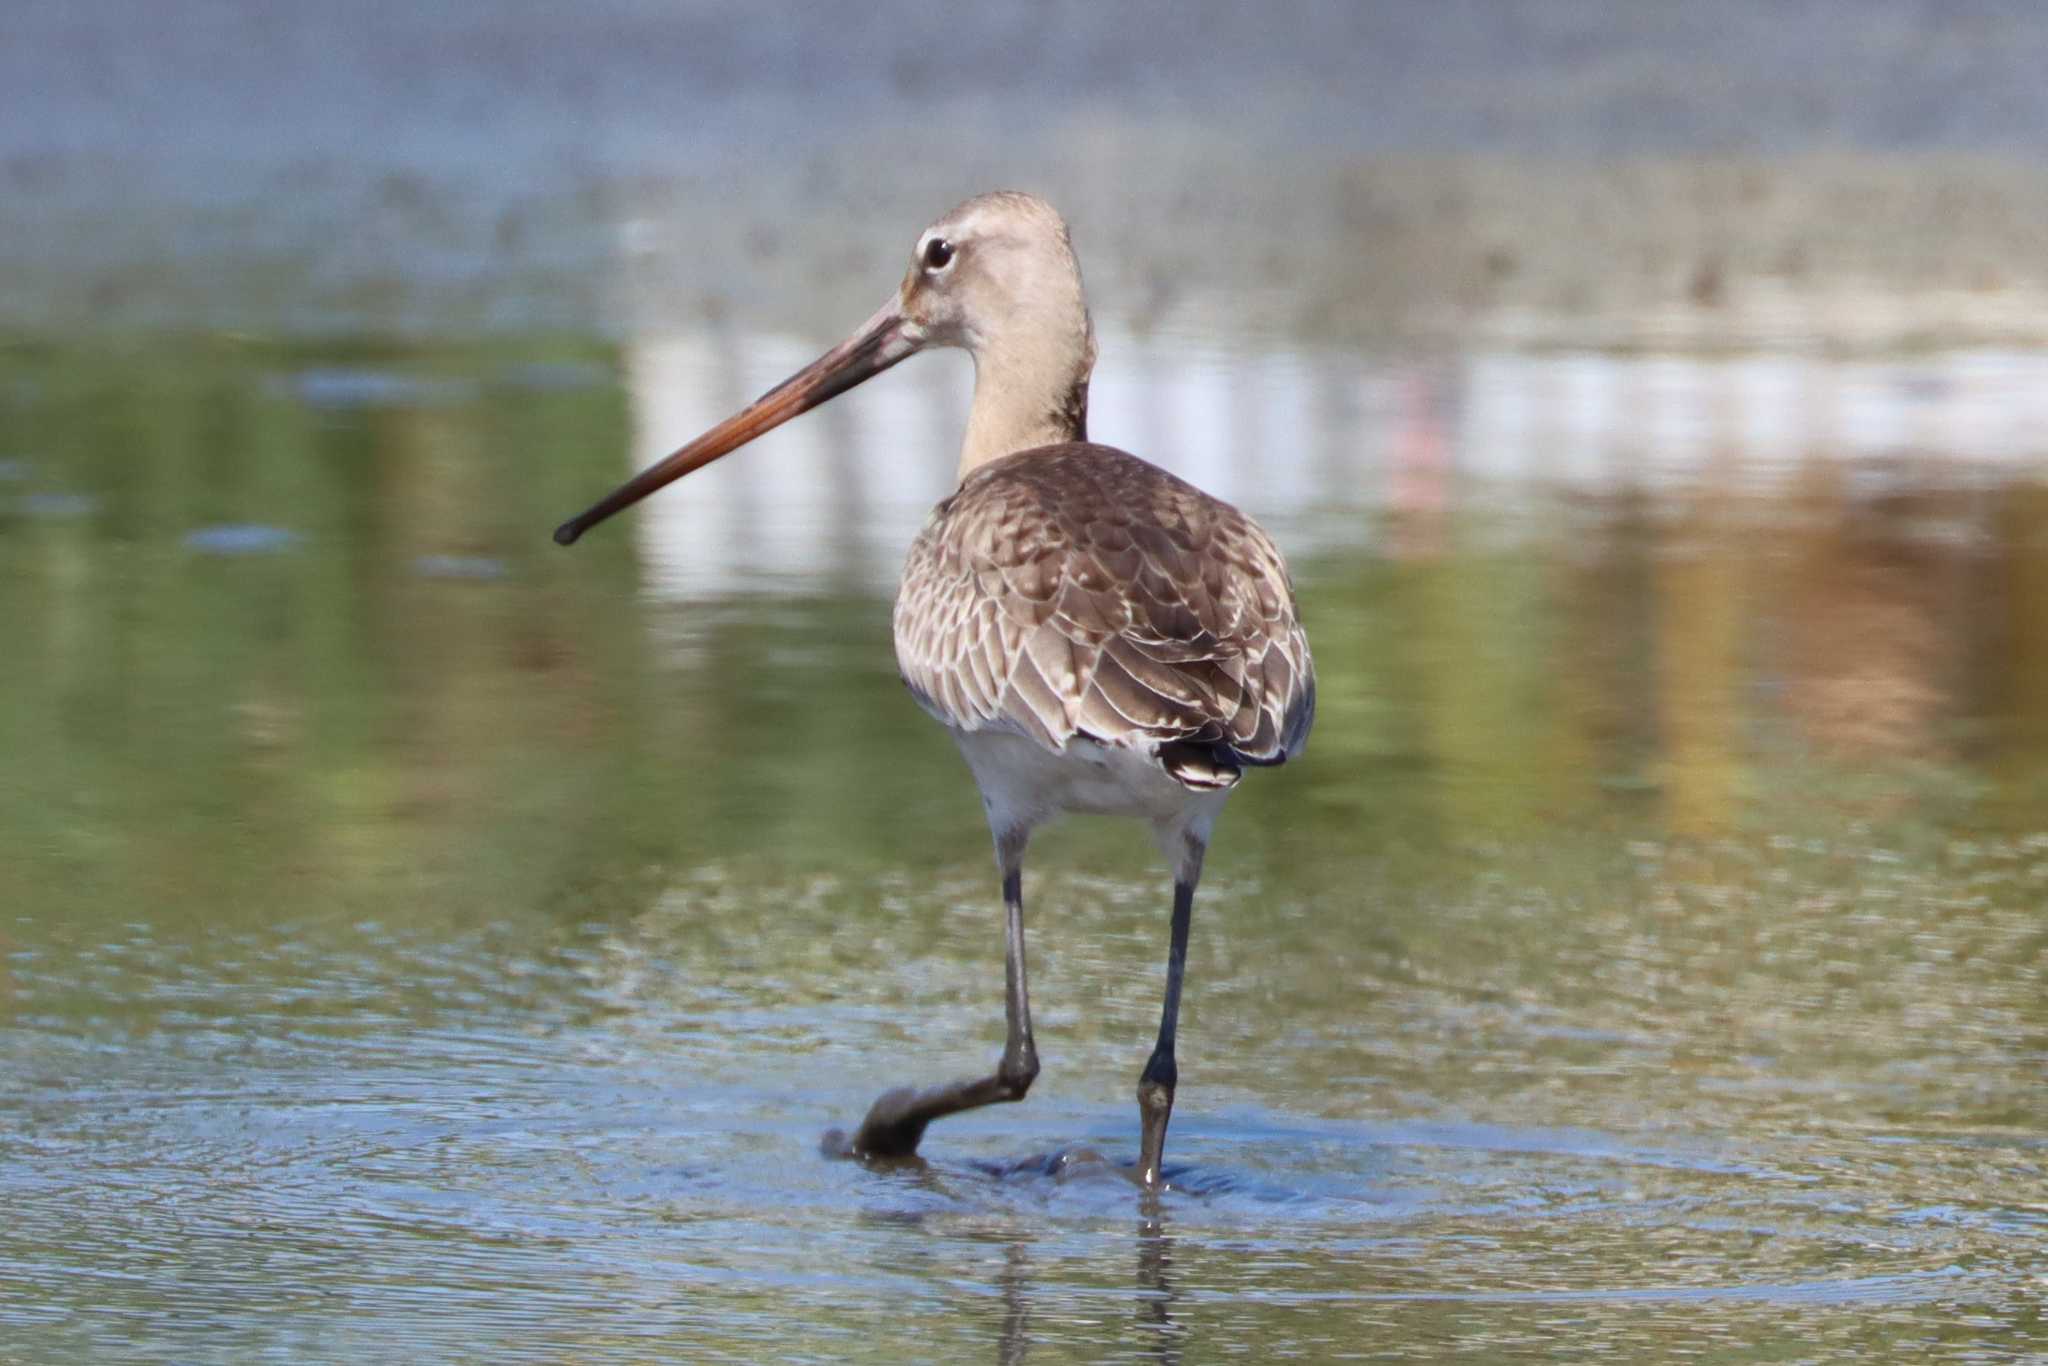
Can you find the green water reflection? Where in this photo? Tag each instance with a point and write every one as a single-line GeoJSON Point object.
{"type": "Point", "coordinates": [412, 933]}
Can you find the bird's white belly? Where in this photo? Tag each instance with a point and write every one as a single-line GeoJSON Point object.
{"type": "Point", "coordinates": [1025, 784]}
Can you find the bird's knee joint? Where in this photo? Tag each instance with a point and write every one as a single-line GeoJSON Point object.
{"type": "Point", "coordinates": [1017, 1073]}
{"type": "Point", "coordinates": [1159, 1072]}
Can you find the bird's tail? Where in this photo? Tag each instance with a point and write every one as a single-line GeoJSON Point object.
{"type": "Point", "coordinates": [1200, 767]}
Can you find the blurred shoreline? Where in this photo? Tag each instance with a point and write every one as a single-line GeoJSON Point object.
{"type": "Point", "coordinates": [1866, 254]}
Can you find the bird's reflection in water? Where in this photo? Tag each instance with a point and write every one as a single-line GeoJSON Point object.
{"type": "Point", "coordinates": [1156, 1294]}
{"type": "Point", "coordinates": [1159, 1336]}
{"type": "Point", "coordinates": [1015, 1284]}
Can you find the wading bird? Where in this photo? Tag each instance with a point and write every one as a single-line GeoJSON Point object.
{"type": "Point", "coordinates": [1097, 634]}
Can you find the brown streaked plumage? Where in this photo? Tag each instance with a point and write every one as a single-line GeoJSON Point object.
{"type": "Point", "coordinates": [1077, 592]}
{"type": "Point", "coordinates": [1097, 634]}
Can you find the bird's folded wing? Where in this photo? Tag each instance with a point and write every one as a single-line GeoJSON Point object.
{"type": "Point", "coordinates": [1076, 591]}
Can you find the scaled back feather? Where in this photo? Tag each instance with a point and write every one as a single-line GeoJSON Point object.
{"type": "Point", "coordinates": [1076, 591]}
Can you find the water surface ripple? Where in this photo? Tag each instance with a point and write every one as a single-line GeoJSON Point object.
{"type": "Point", "coordinates": [418, 942]}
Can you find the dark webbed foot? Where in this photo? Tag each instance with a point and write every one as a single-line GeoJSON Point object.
{"type": "Point", "coordinates": [896, 1122]}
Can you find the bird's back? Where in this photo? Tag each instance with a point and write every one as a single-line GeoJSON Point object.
{"type": "Point", "coordinates": [1076, 591]}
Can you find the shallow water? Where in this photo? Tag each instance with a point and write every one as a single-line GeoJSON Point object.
{"type": "Point", "coordinates": [422, 941]}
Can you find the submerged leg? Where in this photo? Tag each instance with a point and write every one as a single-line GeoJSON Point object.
{"type": "Point", "coordinates": [1156, 1082]}
{"type": "Point", "coordinates": [896, 1122]}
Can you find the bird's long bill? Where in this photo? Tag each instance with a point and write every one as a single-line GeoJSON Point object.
{"type": "Point", "coordinates": [881, 341]}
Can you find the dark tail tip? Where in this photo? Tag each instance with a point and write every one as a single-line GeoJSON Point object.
{"type": "Point", "coordinates": [566, 533]}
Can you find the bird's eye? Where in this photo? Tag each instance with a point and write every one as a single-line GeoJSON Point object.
{"type": "Point", "coordinates": [938, 254]}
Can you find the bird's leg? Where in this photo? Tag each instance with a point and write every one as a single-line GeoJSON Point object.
{"type": "Point", "coordinates": [1156, 1082]}
{"type": "Point", "coordinates": [896, 1122]}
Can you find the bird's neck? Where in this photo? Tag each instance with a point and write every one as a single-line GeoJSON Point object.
{"type": "Point", "coordinates": [1026, 397]}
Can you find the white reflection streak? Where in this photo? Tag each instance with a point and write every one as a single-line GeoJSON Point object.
{"type": "Point", "coordinates": [1490, 440]}
{"type": "Point", "coordinates": [1194, 407]}
{"type": "Point", "coordinates": [672, 385]}
{"type": "Point", "coordinates": [1116, 395]}
{"type": "Point", "coordinates": [1769, 418]}
{"type": "Point", "coordinates": [908, 426]}
{"type": "Point", "coordinates": [1256, 430]}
